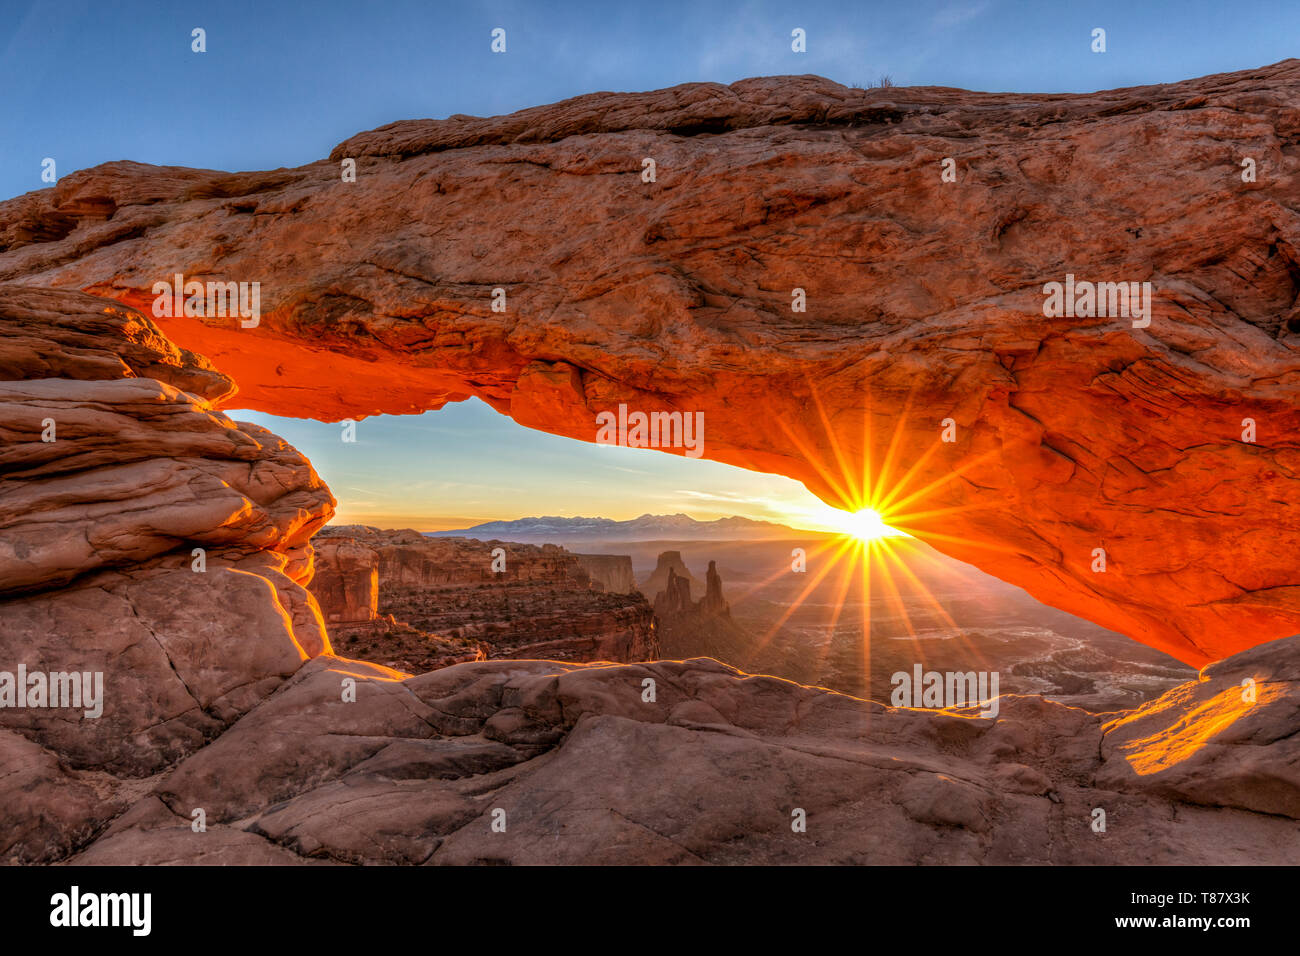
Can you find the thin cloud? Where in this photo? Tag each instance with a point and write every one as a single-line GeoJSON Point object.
{"type": "Point", "coordinates": [710, 496]}
{"type": "Point", "coordinates": [955, 14]}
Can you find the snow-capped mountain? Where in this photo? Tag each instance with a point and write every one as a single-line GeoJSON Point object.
{"type": "Point", "coordinates": [678, 527]}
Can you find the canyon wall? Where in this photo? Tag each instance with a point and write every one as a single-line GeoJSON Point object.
{"type": "Point", "coordinates": [668, 565]}
{"type": "Point", "coordinates": [410, 559]}
{"type": "Point", "coordinates": [543, 603]}
{"type": "Point", "coordinates": [917, 229]}
{"type": "Point", "coordinates": [346, 583]}
{"type": "Point", "coordinates": [613, 572]}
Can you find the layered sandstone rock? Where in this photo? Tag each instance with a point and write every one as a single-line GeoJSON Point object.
{"type": "Point", "coordinates": [105, 468]}
{"type": "Point", "coordinates": [668, 565]}
{"type": "Point", "coordinates": [221, 691]}
{"type": "Point", "coordinates": [713, 603]}
{"type": "Point", "coordinates": [703, 628]}
{"type": "Point", "coordinates": [49, 334]}
{"type": "Point", "coordinates": [146, 541]}
{"type": "Point", "coordinates": [1228, 739]}
{"type": "Point", "coordinates": [612, 572]}
{"type": "Point", "coordinates": [407, 558]}
{"type": "Point", "coordinates": [346, 583]}
{"type": "Point", "coordinates": [675, 598]}
{"type": "Point", "coordinates": [415, 771]}
{"type": "Point", "coordinates": [440, 599]}
{"type": "Point", "coordinates": [924, 305]}
{"type": "Point", "coordinates": [222, 694]}
{"type": "Point", "coordinates": [152, 560]}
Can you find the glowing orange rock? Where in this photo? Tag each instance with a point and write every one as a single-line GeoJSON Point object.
{"type": "Point", "coordinates": [1078, 444]}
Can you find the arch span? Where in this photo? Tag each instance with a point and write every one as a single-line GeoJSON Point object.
{"type": "Point", "coordinates": [1071, 437]}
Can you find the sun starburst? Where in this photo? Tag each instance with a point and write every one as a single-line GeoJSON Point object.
{"type": "Point", "coordinates": [866, 524]}
{"type": "Point", "coordinates": [884, 510]}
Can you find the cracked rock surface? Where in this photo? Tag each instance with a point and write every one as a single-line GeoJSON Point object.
{"type": "Point", "coordinates": [586, 771]}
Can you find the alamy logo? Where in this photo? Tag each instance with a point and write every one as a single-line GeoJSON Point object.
{"type": "Point", "coordinates": [653, 430]}
{"type": "Point", "coordinates": [82, 689]}
{"type": "Point", "coordinates": [950, 689]}
{"type": "Point", "coordinates": [1121, 300]}
{"type": "Point", "coordinates": [214, 300]}
{"type": "Point", "coordinates": [103, 909]}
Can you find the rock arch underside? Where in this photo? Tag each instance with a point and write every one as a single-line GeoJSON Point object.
{"type": "Point", "coordinates": [924, 303]}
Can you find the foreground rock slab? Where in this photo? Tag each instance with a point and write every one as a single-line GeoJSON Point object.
{"type": "Point", "coordinates": [541, 762]}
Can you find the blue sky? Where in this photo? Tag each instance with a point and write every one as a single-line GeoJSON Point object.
{"type": "Point", "coordinates": [281, 83]}
{"type": "Point", "coordinates": [466, 464]}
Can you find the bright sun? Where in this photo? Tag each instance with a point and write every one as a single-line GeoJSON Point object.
{"type": "Point", "coordinates": [866, 525]}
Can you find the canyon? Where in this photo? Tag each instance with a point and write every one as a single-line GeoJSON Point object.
{"type": "Point", "coordinates": [704, 627]}
{"type": "Point", "coordinates": [233, 733]}
{"type": "Point", "coordinates": [918, 607]}
{"type": "Point", "coordinates": [146, 535]}
{"type": "Point", "coordinates": [377, 587]}
{"type": "Point", "coordinates": [611, 572]}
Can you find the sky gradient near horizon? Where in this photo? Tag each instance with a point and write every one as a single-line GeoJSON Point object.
{"type": "Point", "coordinates": [89, 82]}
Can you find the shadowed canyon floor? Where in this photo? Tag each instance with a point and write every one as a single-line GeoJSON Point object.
{"type": "Point", "coordinates": [922, 608]}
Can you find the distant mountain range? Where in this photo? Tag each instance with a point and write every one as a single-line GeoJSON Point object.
{"type": "Point", "coordinates": [677, 527]}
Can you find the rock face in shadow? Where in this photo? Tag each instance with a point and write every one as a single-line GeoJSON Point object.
{"type": "Point", "coordinates": [346, 583]}
{"type": "Point", "coordinates": [703, 628]}
{"type": "Point", "coordinates": [675, 598]}
{"type": "Point", "coordinates": [924, 297]}
{"type": "Point", "coordinates": [713, 603]}
{"type": "Point", "coordinates": [670, 574]}
{"type": "Point", "coordinates": [612, 572]}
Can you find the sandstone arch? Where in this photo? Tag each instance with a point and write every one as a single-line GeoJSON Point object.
{"type": "Point", "coordinates": [924, 303]}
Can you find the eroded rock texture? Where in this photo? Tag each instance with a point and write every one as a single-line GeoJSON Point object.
{"type": "Point", "coordinates": [415, 602]}
{"type": "Point", "coordinates": [222, 693]}
{"type": "Point", "coordinates": [587, 771]}
{"type": "Point", "coordinates": [669, 566]}
{"type": "Point", "coordinates": [144, 536]}
{"type": "Point", "coordinates": [610, 572]}
{"type": "Point", "coordinates": [704, 628]}
{"type": "Point", "coordinates": [924, 303]}
{"type": "Point", "coordinates": [346, 583]}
